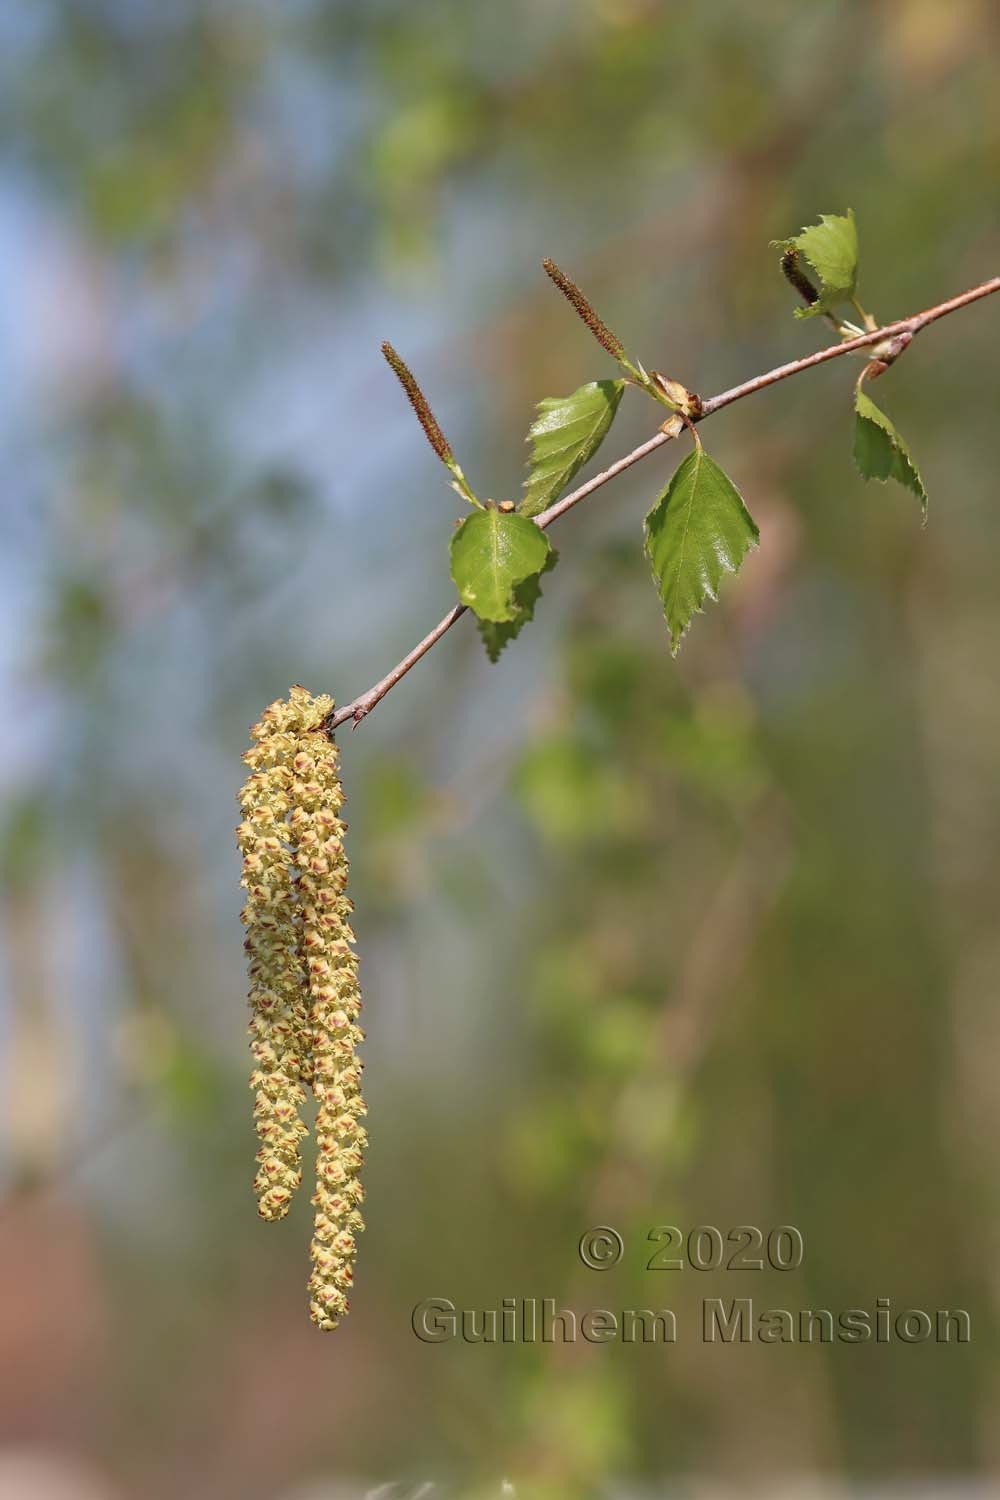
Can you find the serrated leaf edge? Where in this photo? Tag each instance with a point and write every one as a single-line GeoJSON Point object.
{"type": "Point", "coordinates": [538, 430]}
{"type": "Point", "coordinates": [699, 454]}
{"type": "Point", "coordinates": [897, 440]}
{"type": "Point", "coordinates": [509, 598]}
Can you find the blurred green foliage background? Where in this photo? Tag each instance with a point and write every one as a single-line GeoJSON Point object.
{"type": "Point", "coordinates": [644, 942]}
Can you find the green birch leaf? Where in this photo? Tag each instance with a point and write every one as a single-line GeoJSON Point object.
{"type": "Point", "coordinates": [879, 450]}
{"type": "Point", "coordinates": [831, 248]}
{"type": "Point", "coordinates": [492, 552]}
{"type": "Point", "coordinates": [566, 433]}
{"type": "Point", "coordinates": [526, 595]}
{"type": "Point", "coordinates": [697, 531]}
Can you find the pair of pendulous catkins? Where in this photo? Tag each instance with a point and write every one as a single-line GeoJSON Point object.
{"type": "Point", "coordinates": [304, 993]}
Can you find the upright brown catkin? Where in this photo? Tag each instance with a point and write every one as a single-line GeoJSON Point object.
{"type": "Point", "coordinates": [304, 990]}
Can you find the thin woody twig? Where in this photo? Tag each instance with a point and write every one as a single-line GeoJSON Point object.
{"type": "Point", "coordinates": [360, 707]}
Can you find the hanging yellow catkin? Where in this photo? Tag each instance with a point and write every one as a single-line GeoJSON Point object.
{"type": "Point", "coordinates": [274, 960]}
{"type": "Point", "coordinates": [335, 1004]}
{"type": "Point", "coordinates": [304, 990]}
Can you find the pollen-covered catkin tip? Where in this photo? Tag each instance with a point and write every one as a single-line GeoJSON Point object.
{"type": "Point", "coordinates": [304, 992]}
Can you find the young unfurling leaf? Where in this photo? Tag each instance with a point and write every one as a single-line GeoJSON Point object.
{"type": "Point", "coordinates": [492, 553]}
{"type": "Point", "coordinates": [831, 248]}
{"type": "Point", "coordinates": [879, 450]}
{"type": "Point", "coordinates": [698, 530]}
{"type": "Point", "coordinates": [567, 433]}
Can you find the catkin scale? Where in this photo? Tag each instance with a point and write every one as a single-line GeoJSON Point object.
{"type": "Point", "coordinates": [304, 991]}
